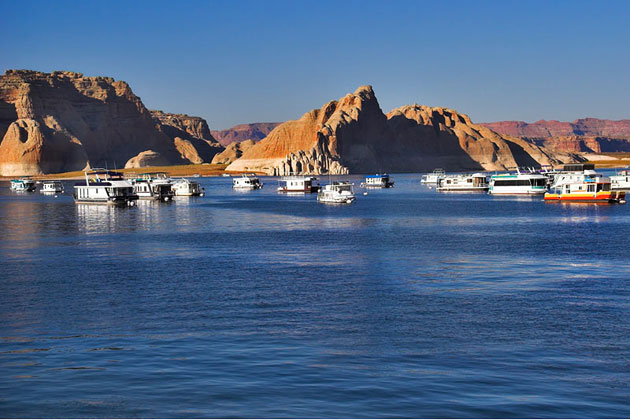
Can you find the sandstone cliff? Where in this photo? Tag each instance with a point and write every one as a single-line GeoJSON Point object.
{"type": "Point", "coordinates": [353, 134]}
{"type": "Point", "coordinates": [63, 121]}
{"type": "Point", "coordinates": [232, 152]}
{"type": "Point", "coordinates": [242, 132]}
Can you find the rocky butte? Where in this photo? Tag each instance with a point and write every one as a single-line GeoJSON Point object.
{"type": "Point", "coordinates": [63, 121]}
{"type": "Point", "coordinates": [353, 134]}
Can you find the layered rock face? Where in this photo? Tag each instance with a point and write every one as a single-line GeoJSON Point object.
{"type": "Point", "coordinates": [354, 135]}
{"type": "Point", "coordinates": [242, 132]}
{"type": "Point", "coordinates": [232, 152]}
{"type": "Point", "coordinates": [63, 121]}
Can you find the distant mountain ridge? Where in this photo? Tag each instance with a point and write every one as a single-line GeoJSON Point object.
{"type": "Point", "coordinates": [585, 135]}
{"type": "Point", "coordinates": [592, 127]}
{"type": "Point", "coordinates": [241, 132]}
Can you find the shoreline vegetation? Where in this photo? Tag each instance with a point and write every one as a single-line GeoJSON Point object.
{"type": "Point", "coordinates": [603, 160]}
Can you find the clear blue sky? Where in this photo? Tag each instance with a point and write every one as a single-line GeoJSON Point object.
{"type": "Point", "coordinates": [246, 61]}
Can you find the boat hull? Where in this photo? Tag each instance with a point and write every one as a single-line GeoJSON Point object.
{"type": "Point", "coordinates": [106, 202]}
{"type": "Point", "coordinates": [308, 190]}
{"type": "Point", "coordinates": [601, 197]}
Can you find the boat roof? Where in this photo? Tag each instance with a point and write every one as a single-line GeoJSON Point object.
{"type": "Point", "coordinates": [378, 176]}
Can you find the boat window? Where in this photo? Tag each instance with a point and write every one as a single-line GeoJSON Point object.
{"type": "Point", "coordinates": [591, 188]}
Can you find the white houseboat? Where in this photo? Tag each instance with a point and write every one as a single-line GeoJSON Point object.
{"type": "Point", "coordinates": [378, 181]}
{"type": "Point", "coordinates": [340, 192]}
{"type": "Point", "coordinates": [23, 184]}
{"type": "Point", "coordinates": [518, 183]}
{"type": "Point", "coordinates": [474, 182]}
{"type": "Point", "coordinates": [153, 186]}
{"type": "Point", "coordinates": [433, 177]}
{"type": "Point", "coordinates": [592, 189]}
{"type": "Point", "coordinates": [572, 173]}
{"type": "Point", "coordinates": [621, 181]}
{"type": "Point", "coordinates": [104, 187]}
{"type": "Point", "coordinates": [51, 187]}
{"type": "Point", "coordinates": [246, 182]}
{"type": "Point", "coordinates": [187, 188]}
{"type": "Point", "coordinates": [298, 184]}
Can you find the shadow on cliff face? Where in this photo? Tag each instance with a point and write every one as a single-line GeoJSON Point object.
{"type": "Point", "coordinates": [423, 147]}
{"type": "Point", "coordinates": [521, 157]}
{"type": "Point", "coordinates": [8, 114]}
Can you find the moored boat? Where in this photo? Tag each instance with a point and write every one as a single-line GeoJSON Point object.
{"type": "Point", "coordinates": [23, 184]}
{"type": "Point", "coordinates": [338, 192]}
{"type": "Point", "coordinates": [51, 187]}
{"type": "Point", "coordinates": [474, 182]}
{"type": "Point", "coordinates": [298, 184]}
{"type": "Point", "coordinates": [153, 186]}
{"type": "Point", "coordinates": [104, 187]}
{"type": "Point", "coordinates": [592, 189]}
{"type": "Point", "coordinates": [433, 177]}
{"type": "Point", "coordinates": [185, 187]}
{"type": "Point", "coordinates": [621, 180]}
{"type": "Point", "coordinates": [378, 181]}
{"type": "Point", "coordinates": [518, 183]}
{"type": "Point", "coordinates": [246, 182]}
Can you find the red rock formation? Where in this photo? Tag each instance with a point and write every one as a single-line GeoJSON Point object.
{"type": "Point", "coordinates": [241, 132]}
{"type": "Point", "coordinates": [63, 121]}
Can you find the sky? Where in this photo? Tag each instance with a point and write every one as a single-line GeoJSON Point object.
{"type": "Point", "coordinates": [234, 62]}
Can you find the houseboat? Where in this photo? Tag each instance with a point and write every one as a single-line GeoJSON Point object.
{"type": "Point", "coordinates": [571, 173]}
{"type": "Point", "coordinates": [433, 177]}
{"type": "Point", "coordinates": [474, 182]}
{"type": "Point", "coordinates": [23, 184]}
{"type": "Point", "coordinates": [340, 192]}
{"type": "Point", "coordinates": [187, 188]}
{"type": "Point", "coordinates": [298, 184]}
{"type": "Point", "coordinates": [621, 181]}
{"type": "Point", "coordinates": [153, 186]}
{"type": "Point", "coordinates": [51, 187]}
{"type": "Point", "coordinates": [592, 189]}
{"type": "Point", "coordinates": [377, 181]}
{"type": "Point", "coordinates": [104, 187]}
{"type": "Point", "coordinates": [246, 182]}
{"type": "Point", "coordinates": [518, 183]}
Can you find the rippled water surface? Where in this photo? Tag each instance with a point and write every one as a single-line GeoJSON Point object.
{"type": "Point", "coordinates": [407, 303]}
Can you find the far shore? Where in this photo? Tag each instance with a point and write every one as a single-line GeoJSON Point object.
{"type": "Point", "coordinates": [600, 160]}
{"type": "Point", "coordinates": [172, 171]}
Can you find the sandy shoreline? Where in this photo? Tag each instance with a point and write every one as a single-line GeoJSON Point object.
{"type": "Point", "coordinates": [173, 171]}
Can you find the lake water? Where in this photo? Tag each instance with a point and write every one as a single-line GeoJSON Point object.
{"type": "Point", "coordinates": [407, 303]}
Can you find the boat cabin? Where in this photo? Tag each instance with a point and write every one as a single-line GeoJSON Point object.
{"type": "Point", "coordinates": [246, 182]}
{"type": "Point", "coordinates": [378, 181]}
